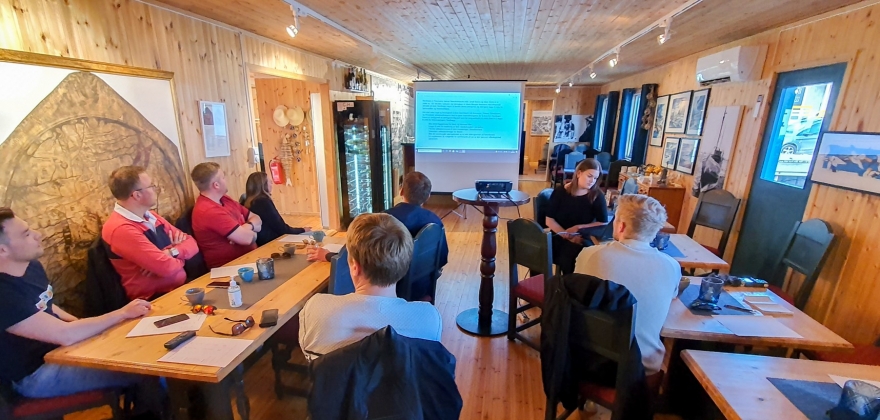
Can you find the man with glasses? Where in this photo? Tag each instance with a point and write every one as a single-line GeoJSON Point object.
{"type": "Point", "coordinates": [148, 252]}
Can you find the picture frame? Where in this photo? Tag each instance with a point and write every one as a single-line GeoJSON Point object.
{"type": "Point", "coordinates": [687, 155]}
{"type": "Point", "coordinates": [660, 112]}
{"type": "Point", "coordinates": [848, 160]}
{"type": "Point", "coordinates": [542, 123]}
{"type": "Point", "coordinates": [214, 129]}
{"type": "Point", "coordinates": [670, 152]}
{"type": "Point", "coordinates": [679, 106]}
{"type": "Point", "coordinates": [697, 113]}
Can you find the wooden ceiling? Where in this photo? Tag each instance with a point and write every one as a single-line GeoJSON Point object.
{"type": "Point", "coordinates": [542, 41]}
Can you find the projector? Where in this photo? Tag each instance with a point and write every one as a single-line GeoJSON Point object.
{"type": "Point", "coordinates": [493, 186]}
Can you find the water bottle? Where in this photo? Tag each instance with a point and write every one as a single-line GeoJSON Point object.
{"type": "Point", "coordinates": [234, 293]}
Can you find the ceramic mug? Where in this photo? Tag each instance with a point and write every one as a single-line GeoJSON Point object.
{"type": "Point", "coordinates": [319, 235]}
{"type": "Point", "coordinates": [289, 248]}
{"type": "Point", "coordinates": [246, 274]}
{"type": "Point", "coordinates": [194, 296]}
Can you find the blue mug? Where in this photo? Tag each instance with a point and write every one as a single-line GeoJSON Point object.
{"type": "Point", "coordinates": [246, 274]}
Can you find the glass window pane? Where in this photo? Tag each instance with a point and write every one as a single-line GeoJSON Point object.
{"type": "Point", "coordinates": [600, 128]}
{"type": "Point", "coordinates": [632, 125]}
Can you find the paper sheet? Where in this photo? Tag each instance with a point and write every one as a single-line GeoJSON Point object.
{"type": "Point", "coordinates": [840, 380]}
{"type": "Point", "coordinates": [294, 238]}
{"type": "Point", "coordinates": [335, 248]}
{"type": "Point", "coordinates": [207, 351]}
{"type": "Point", "coordinates": [230, 271]}
{"type": "Point", "coordinates": [146, 326]}
{"type": "Point", "coordinates": [756, 326]}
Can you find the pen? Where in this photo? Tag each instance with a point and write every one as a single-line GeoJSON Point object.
{"type": "Point", "coordinates": [737, 308]}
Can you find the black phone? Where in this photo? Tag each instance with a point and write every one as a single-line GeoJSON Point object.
{"type": "Point", "coordinates": [219, 284]}
{"type": "Point", "coordinates": [170, 321]}
{"type": "Point", "coordinates": [269, 318]}
{"type": "Point", "coordinates": [753, 282]}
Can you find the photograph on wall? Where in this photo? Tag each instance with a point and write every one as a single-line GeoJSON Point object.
{"type": "Point", "coordinates": [698, 113]}
{"type": "Point", "coordinates": [713, 158]}
{"type": "Point", "coordinates": [670, 152]}
{"type": "Point", "coordinates": [659, 121]}
{"type": "Point", "coordinates": [571, 128]}
{"type": "Point", "coordinates": [63, 132]}
{"type": "Point", "coordinates": [214, 130]}
{"type": "Point", "coordinates": [848, 160]}
{"type": "Point", "coordinates": [687, 154]}
{"type": "Point", "coordinates": [679, 105]}
{"type": "Point", "coordinates": [542, 123]}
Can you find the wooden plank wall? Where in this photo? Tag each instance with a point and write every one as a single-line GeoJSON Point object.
{"type": "Point", "coordinates": [534, 144]}
{"type": "Point", "coordinates": [847, 291]}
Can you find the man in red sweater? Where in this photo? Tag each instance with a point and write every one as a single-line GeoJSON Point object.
{"type": "Point", "coordinates": [224, 229]}
{"type": "Point", "coordinates": [146, 250]}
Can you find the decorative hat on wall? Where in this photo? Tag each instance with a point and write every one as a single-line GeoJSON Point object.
{"type": "Point", "coordinates": [295, 115]}
{"type": "Point", "coordinates": [280, 117]}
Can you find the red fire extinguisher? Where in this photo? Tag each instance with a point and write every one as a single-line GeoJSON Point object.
{"type": "Point", "coordinates": [276, 170]}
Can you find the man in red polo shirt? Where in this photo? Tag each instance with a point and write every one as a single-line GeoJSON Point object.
{"type": "Point", "coordinates": [224, 229]}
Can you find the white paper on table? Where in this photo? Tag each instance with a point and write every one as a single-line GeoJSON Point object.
{"type": "Point", "coordinates": [294, 238]}
{"type": "Point", "coordinates": [230, 271]}
{"type": "Point", "coordinates": [333, 247]}
{"type": "Point", "coordinates": [146, 326]}
{"type": "Point", "coordinates": [840, 380]}
{"type": "Point", "coordinates": [207, 351]}
{"type": "Point", "coordinates": [755, 326]}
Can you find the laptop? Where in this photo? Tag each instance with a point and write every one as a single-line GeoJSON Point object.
{"type": "Point", "coordinates": [603, 233]}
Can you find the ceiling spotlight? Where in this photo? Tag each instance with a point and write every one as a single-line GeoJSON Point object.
{"type": "Point", "coordinates": [570, 83]}
{"type": "Point", "coordinates": [592, 73]}
{"type": "Point", "coordinates": [661, 39]}
{"type": "Point", "coordinates": [292, 30]}
{"type": "Point", "coordinates": [613, 62]}
{"type": "Point", "coordinates": [558, 88]}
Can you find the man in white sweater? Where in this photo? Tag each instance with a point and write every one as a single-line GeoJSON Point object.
{"type": "Point", "coordinates": [650, 275]}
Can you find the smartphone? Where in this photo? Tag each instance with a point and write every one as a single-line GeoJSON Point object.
{"type": "Point", "coordinates": [753, 282]}
{"type": "Point", "coordinates": [170, 321]}
{"type": "Point", "coordinates": [219, 284]}
{"type": "Point", "coordinates": [269, 318]}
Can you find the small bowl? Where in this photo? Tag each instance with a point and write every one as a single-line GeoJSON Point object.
{"type": "Point", "coordinates": [683, 284]}
{"type": "Point", "coordinates": [194, 296]}
{"type": "Point", "coordinates": [246, 274]}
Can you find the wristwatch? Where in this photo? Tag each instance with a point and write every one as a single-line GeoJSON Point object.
{"type": "Point", "coordinates": [174, 252]}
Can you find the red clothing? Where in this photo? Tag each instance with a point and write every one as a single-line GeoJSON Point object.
{"type": "Point", "coordinates": [135, 252]}
{"type": "Point", "coordinates": [212, 224]}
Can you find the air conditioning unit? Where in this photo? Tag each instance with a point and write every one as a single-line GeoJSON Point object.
{"type": "Point", "coordinates": [738, 64]}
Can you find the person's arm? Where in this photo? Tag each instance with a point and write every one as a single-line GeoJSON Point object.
{"type": "Point", "coordinates": [130, 244]}
{"type": "Point", "coordinates": [63, 314]}
{"type": "Point", "coordinates": [185, 244]}
{"type": "Point", "coordinates": [272, 220]}
{"type": "Point", "coordinates": [254, 219]}
{"type": "Point", "coordinates": [243, 235]}
{"type": "Point", "coordinates": [48, 329]}
{"type": "Point", "coordinates": [553, 208]}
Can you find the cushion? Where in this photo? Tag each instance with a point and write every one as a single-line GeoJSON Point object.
{"type": "Point", "coordinates": [605, 396]}
{"type": "Point", "coordinates": [864, 354]}
{"type": "Point", "coordinates": [531, 289]}
{"type": "Point", "coordinates": [27, 407]}
{"type": "Point", "coordinates": [781, 293]}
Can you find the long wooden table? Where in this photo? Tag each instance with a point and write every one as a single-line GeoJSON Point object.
{"type": "Point", "coordinates": [695, 255]}
{"type": "Point", "coordinates": [738, 384]}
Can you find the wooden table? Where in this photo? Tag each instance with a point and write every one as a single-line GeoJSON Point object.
{"type": "Point", "coordinates": [695, 255]}
{"type": "Point", "coordinates": [111, 350]}
{"type": "Point", "coordinates": [739, 387]}
{"type": "Point", "coordinates": [485, 321]}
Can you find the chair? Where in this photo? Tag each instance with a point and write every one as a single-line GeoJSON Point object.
{"type": "Point", "coordinates": [194, 267]}
{"type": "Point", "coordinates": [530, 247]}
{"type": "Point", "coordinates": [630, 187]}
{"type": "Point", "coordinates": [542, 162]}
{"type": "Point", "coordinates": [340, 282]}
{"type": "Point", "coordinates": [540, 203]}
{"type": "Point", "coordinates": [614, 172]}
{"type": "Point", "coordinates": [104, 291]}
{"type": "Point", "coordinates": [806, 252]}
{"type": "Point", "coordinates": [17, 407]}
{"type": "Point", "coordinates": [424, 270]}
{"type": "Point", "coordinates": [571, 162]}
{"type": "Point", "coordinates": [715, 210]}
{"type": "Point", "coordinates": [557, 172]}
{"type": "Point", "coordinates": [581, 148]}
{"type": "Point", "coordinates": [242, 198]}
{"type": "Point", "coordinates": [604, 159]}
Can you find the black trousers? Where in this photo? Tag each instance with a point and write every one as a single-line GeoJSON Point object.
{"type": "Point", "coordinates": [565, 254]}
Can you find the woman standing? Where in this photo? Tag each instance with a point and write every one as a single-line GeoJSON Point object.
{"type": "Point", "coordinates": [578, 205]}
{"type": "Point", "coordinates": [258, 192]}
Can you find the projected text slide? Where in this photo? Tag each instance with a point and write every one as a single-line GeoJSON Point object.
{"type": "Point", "coordinates": [467, 120]}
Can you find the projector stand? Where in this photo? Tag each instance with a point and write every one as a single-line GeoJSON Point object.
{"type": "Point", "coordinates": [455, 210]}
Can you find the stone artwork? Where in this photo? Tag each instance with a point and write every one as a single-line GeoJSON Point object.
{"type": "Point", "coordinates": [55, 168]}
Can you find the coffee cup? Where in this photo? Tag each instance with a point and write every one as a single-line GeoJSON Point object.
{"type": "Point", "coordinates": [246, 274]}
{"type": "Point", "coordinates": [319, 235]}
{"type": "Point", "coordinates": [194, 296]}
{"type": "Point", "coordinates": [289, 248]}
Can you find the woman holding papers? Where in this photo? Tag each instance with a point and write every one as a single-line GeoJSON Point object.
{"type": "Point", "coordinates": [258, 199]}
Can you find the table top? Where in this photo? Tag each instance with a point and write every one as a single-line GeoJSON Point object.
{"type": "Point", "coordinates": [469, 196]}
{"type": "Point", "coordinates": [738, 384]}
{"type": "Point", "coordinates": [695, 255]}
{"type": "Point", "coordinates": [683, 324]}
{"type": "Point", "coordinates": [111, 350]}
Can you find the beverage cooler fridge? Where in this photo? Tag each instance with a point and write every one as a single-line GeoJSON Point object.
{"type": "Point", "coordinates": [363, 137]}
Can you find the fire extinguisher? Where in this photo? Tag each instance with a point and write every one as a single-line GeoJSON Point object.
{"type": "Point", "coordinates": [276, 170]}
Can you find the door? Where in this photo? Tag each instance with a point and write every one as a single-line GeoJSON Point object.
{"type": "Point", "coordinates": [802, 106]}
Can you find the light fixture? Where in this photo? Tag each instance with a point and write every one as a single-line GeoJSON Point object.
{"type": "Point", "coordinates": [613, 62]}
{"type": "Point", "coordinates": [292, 30]}
{"type": "Point", "coordinates": [558, 88]}
{"type": "Point", "coordinates": [662, 38]}
{"type": "Point", "coordinates": [570, 83]}
{"type": "Point", "coordinates": [592, 73]}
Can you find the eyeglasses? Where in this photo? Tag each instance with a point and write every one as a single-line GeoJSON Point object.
{"type": "Point", "coordinates": [238, 328]}
{"type": "Point", "coordinates": [153, 186]}
{"type": "Point", "coordinates": [280, 256]}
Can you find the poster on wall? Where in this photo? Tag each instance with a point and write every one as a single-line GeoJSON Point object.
{"type": "Point", "coordinates": [679, 106]}
{"type": "Point", "coordinates": [687, 153]}
{"type": "Point", "coordinates": [659, 121]}
{"type": "Point", "coordinates": [713, 159]}
{"type": "Point", "coordinates": [848, 160]}
{"type": "Point", "coordinates": [670, 152]}
{"type": "Point", "coordinates": [214, 130]}
{"type": "Point", "coordinates": [542, 123]}
{"type": "Point", "coordinates": [698, 113]}
{"type": "Point", "coordinates": [571, 128]}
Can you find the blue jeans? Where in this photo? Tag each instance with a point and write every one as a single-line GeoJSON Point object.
{"type": "Point", "coordinates": [56, 380]}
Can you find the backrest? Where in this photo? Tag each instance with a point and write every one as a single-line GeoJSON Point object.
{"type": "Point", "coordinates": [604, 159]}
{"type": "Point", "coordinates": [425, 266]}
{"type": "Point", "coordinates": [572, 159]}
{"type": "Point", "coordinates": [530, 247]}
{"type": "Point", "coordinates": [715, 210]}
{"type": "Point", "coordinates": [614, 171]}
{"type": "Point", "coordinates": [607, 333]}
{"type": "Point", "coordinates": [242, 198]}
{"type": "Point", "coordinates": [630, 187]}
{"type": "Point", "coordinates": [581, 148]}
{"type": "Point", "coordinates": [545, 149]}
{"type": "Point", "coordinates": [560, 158]}
{"type": "Point", "coordinates": [340, 282]}
{"type": "Point", "coordinates": [541, 201]}
{"type": "Point", "coordinates": [806, 253]}
{"type": "Point", "coordinates": [184, 222]}
{"type": "Point", "coordinates": [559, 148]}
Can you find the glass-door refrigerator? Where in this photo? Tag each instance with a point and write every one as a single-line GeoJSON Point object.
{"type": "Point", "coordinates": [363, 137]}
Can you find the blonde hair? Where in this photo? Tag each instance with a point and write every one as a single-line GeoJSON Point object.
{"type": "Point", "coordinates": [644, 216]}
{"type": "Point", "coordinates": [382, 247]}
{"type": "Point", "coordinates": [203, 174]}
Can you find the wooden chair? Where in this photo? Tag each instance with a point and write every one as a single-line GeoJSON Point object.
{"type": "Point", "coordinates": [340, 282]}
{"type": "Point", "coordinates": [540, 203]}
{"type": "Point", "coordinates": [715, 210]}
{"type": "Point", "coordinates": [17, 407]}
{"type": "Point", "coordinates": [424, 270]}
{"type": "Point", "coordinates": [529, 246]}
{"type": "Point", "coordinates": [806, 252]}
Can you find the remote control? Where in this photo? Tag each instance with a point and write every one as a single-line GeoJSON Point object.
{"type": "Point", "coordinates": [180, 339]}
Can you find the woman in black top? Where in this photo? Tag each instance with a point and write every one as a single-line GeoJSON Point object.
{"type": "Point", "coordinates": [258, 192]}
{"type": "Point", "coordinates": [578, 205]}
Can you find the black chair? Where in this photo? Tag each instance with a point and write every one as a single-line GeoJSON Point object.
{"type": "Point", "coordinates": [424, 270]}
{"type": "Point", "coordinates": [194, 267]}
{"type": "Point", "coordinates": [715, 210]}
{"type": "Point", "coordinates": [540, 203]}
{"type": "Point", "coordinates": [806, 252]}
{"type": "Point", "coordinates": [17, 407]}
{"type": "Point", "coordinates": [581, 148]}
{"type": "Point", "coordinates": [340, 282]}
{"type": "Point", "coordinates": [530, 247]}
{"type": "Point", "coordinates": [614, 172]}
{"type": "Point", "coordinates": [242, 198]}
{"type": "Point", "coordinates": [542, 161]}
{"type": "Point", "coordinates": [557, 173]}
{"type": "Point", "coordinates": [104, 291]}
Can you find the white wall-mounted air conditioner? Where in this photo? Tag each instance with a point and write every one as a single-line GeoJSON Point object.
{"type": "Point", "coordinates": [738, 64]}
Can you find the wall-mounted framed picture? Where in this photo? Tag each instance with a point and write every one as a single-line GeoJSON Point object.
{"type": "Point", "coordinates": [687, 155]}
{"type": "Point", "coordinates": [659, 121]}
{"type": "Point", "coordinates": [679, 105]}
{"type": "Point", "coordinates": [214, 131]}
{"type": "Point", "coordinates": [670, 152]}
{"type": "Point", "coordinates": [542, 123]}
{"type": "Point", "coordinates": [848, 160]}
{"type": "Point", "coordinates": [697, 114]}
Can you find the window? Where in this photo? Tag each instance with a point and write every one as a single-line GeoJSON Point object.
{"type": "Point", "coordinates": [632, 124]}
{"type": "Point", "coordinates": [601, 122]}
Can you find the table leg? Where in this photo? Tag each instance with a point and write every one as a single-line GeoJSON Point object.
{"type": "Point", "coordinates": [203, 401]}
{"type": "Point", "coordinates": [485, 321]}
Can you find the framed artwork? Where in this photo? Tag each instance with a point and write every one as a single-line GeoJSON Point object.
{"type": "Point", "coordinates": [679, 105]}
{"type": "Point", "coordinates": [848, 160]}
{"type": "Point", "coordinates": [571, 128]}
{"type": "Point", "coordinates": [714, 158]}
{"type": "Point", "coordinates": [697, 115]}
{"type": "Point", "coordinates": [542, 123]}
{"type": "Point", "coordinates": [687, 155]}
{"type": "Point", "coordinates": [670, 152]}
{"type": "Point", "coordinates": [659, 121]}
{"type": "Point", "coordinates": [214, 131]}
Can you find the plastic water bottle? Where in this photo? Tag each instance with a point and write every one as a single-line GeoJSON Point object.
{"type": "Point", "coordinates": [234, 293]}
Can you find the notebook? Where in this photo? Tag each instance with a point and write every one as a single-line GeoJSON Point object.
{"type": "Point", "coordinates": [602, 233]}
